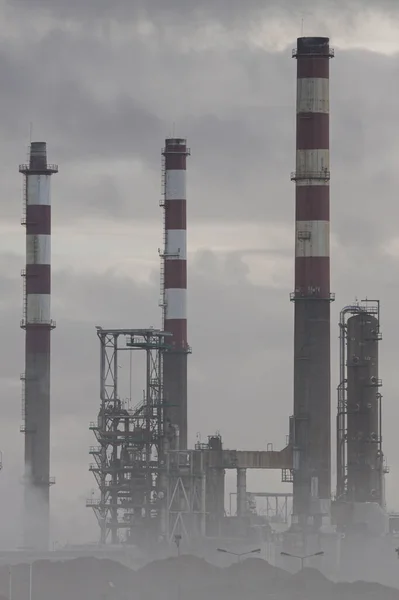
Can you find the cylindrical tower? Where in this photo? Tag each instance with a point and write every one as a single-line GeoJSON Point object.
{"type": "Point", "coordinates": [312, 297]}
{"type": "Point", "coordinates": [175, 286]}
{"type": "Point", "coordinates": [38, 325]}
{"type": "Point", "coordinates": [364, 444]}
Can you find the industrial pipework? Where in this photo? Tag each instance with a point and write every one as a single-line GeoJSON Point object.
{"type": "Point", "coordinates": [174, 287]}
{"type": "Point", "coordinates": [38, 325]}
{"type": "Point", "coordinates": [310, 425]}
{"type": "Point", "coordinates": [129, 460]}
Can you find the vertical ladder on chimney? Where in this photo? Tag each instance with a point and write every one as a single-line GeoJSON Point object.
{"type": "Point", "coordinates": [162, 252]}
{"type": "Point", "coordinates": [24, 299]}
{"type": "Point", "coordinates": [24, 199]}
{"type": "Point", "coordinates": [23, 405]}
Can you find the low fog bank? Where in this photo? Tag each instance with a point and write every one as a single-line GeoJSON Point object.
{"type": "Point", "coordinates": [183, 578]}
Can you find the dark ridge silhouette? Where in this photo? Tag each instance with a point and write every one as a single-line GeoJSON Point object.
{"type": "Point", "coordinates": [181, 578]}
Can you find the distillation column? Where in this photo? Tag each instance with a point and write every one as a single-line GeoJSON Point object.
{"type": "Point", "coordinates": [364, 440]}
{"type": "Point", "coordinates": [312, 297]}
{"type": "Point", "coordinates": [38, 325]}
{"type": "Point", "coordinates": [361, 468]}
{"type": "Point", "coordinates": [175, 289]}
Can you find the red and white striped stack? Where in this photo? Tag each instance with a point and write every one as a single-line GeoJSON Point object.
{"type": "Point", "coordinates": [175, 284]}
{"type": "Point", "coordinates": [312, 401]}
{"type": "Point", "coordinates": [38, 325]}
{"type": "Point", "coordinates": [175, 279]}
{"type": "Point", "coordinates": [312, 176]}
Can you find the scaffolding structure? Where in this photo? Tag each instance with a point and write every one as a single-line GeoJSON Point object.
{"type": "Point", "coordinates": [129, 456]}
{"type": "Point", "coordinates": [186, 494]}
{"type": "Point", "coordinates": [276, 508]}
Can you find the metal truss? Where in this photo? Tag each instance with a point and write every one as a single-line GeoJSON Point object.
{"type": "Point", "coordinates": [128, 457]}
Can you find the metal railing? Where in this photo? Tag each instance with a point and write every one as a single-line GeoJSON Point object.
{"type": "Point", "coordinates": [322, 175]}
{"type": "Point", "coordinates": [294, 296]}
{"type": "Point", "coordinates": [26, 169]}
{"type": "Point", "coordinates": [329, 54]}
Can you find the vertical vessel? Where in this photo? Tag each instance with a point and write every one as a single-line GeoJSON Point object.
{"type": "Point", "coordinates": [310, 429]}
{"type": "Point", "coordinates": [364, 436]}
{"type": "Point", "coordinates": [37, 324]}
{"type": "Point", "coordinates": [174, 288]}
{"type": "Point", "coordinates": [360, 459]}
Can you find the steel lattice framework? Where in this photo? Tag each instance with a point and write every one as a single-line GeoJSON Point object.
{"type": "Point", "coordinates": [186, 494]}
{"type": "Point", "coordinates": [128, 457]}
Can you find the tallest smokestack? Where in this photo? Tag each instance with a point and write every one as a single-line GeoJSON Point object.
{"type": "Point", "coordinates": [312, 297]}
{"type": "Point", "coordinates": [38, 325]}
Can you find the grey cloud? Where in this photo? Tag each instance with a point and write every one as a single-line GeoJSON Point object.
{"type": "Point", "coordinates": [123, 127]}
{"type": "Point", "coordinates": [10, 264]}
{"type": "Point", "coordinates": [106, 198]}
{"type": "Point", "coordinates": [240, 127]}
{"type": "Point", "coordinates": [154, 9]}
{"type": "Point", "coordinates": [219, 289]}
{"type": "Point", "coordinates": [174, 11]}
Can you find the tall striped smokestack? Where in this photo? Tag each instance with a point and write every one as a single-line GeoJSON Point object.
{"type": "Point", "coordinates": [175, 286]}
{"type": "Point", "coordinates": [312, 297]}
{"type": "Point", "coordinates": [38, 325]}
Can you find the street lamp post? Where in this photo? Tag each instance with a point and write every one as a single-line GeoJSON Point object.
{"type": "Point", "coordinates": [10, 583]}
{"type": "Point", "coordinates": [30, 580]}
{"type": "Point", "coordinates": [302, 558]}
{"type": "Point", "coordinates": [239, 554]}
{"type": "Point", "coordinates": [177, 540]}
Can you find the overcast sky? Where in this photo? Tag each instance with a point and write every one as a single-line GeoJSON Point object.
{"type": "Point", "coordinates": [104, 86]}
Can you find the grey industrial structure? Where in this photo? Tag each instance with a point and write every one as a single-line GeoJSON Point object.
{"type": "Point", "coordinates": [152, 486]}
{"type": "Point", "coordinates": [310, 424]}
{"type": "Point", "coordinates": [174, 285]}
{"type": "Point", "coordinates": [127, 460]}
{"type": "Point", "coordinates": [37, 324]}
{"type": "Point", "coordinates": [361, 466]}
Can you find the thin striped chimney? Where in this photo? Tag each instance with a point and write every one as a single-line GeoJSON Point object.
{"type": "Point", "coordinates": [175, 286]}
{"type": "Point", "coordinates": [38, 325]}
{"type": "Point", "coordinates": [312, 297]}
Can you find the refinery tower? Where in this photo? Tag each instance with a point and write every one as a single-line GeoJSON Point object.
{"type": "Point", "coordinates": [37, 324]}
{"type": "Point", "coordinates": [310, 426]}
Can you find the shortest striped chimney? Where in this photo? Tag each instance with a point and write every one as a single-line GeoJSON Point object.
{"type": "Point", "coordinates": [175, 287]}
{"type": "Point", "coordinates": [38, 325]}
